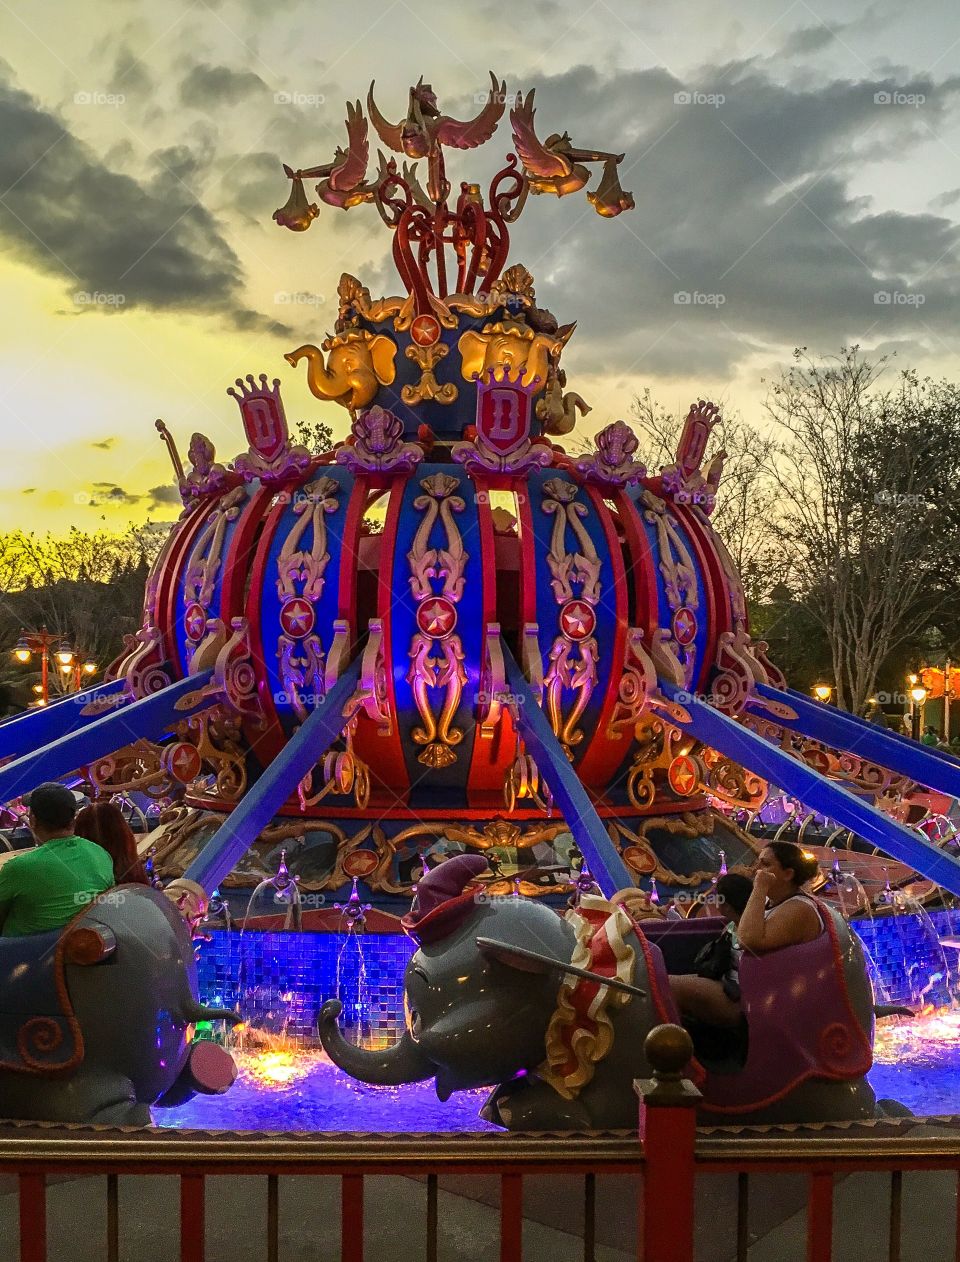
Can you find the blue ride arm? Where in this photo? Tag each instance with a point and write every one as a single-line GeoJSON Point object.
{"type": "Point", "coordinates": [35, 728]}
{"type": "Point", "coordinates": [260, 803]}
{"type": "Point", "coordinates": [931, 767]}
{"type": "Point", "coordinates": [147, 718]}
{"type": "Point", "coordinates": [823, 796]}
{"type": "Point", "coordinates": [608, 869]}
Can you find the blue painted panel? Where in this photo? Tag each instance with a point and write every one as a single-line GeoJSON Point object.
{"type": "Point", "coordinates": [181, 641]}
{"type": "Point", "coordinates": [435, 786]}
{"type": "Point", "coordinates": [608, 868]}
{"type": "Point", "coordinates": [548, 608]}
{"type": "Point", "coordinates": [326, 608]}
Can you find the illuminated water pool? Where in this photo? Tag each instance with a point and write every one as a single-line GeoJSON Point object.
{"type": "Point", "coordinates": [303, 1091]}
{"type": "Point", "coordinates": [916, 1062]}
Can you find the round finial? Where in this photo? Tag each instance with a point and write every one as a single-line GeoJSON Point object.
{"type": "Point", "coordinates": [668, 1049]}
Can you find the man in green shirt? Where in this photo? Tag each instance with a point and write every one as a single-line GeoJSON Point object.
{"type": "Point", "coordinates": [46, 887]}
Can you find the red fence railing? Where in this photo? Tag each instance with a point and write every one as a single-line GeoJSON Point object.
{"type": "Point", "coordinates": [635, 1192]}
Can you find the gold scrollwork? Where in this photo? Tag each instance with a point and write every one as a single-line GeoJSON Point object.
{"type": "Point", "coordinates": [217, 735]}
{"type": "Point", "coordinates": [428, 388]}
{"type": "Point", "coordinates": [298, 568]}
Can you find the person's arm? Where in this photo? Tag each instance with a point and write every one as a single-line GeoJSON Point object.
{"type": "Point", "coordinates": [8, 888]}
{"type": "Point", "coordinates": [787, 925]}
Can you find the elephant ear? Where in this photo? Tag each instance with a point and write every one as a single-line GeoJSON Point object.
{"type": "Point", "coordinates": [526, 961]}
{"type": "Point", "coordinates": [472, 347]}
{"type": "Point", "coordinates": [382, 353]}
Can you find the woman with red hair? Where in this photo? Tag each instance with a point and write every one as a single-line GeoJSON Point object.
{"type": "Point", "coordinates": [103, 822]}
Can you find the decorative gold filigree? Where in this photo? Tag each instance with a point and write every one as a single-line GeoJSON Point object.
{"type": "Point", "coordinates": [296, 566]}
{"type": "Point", "coordinates": [206, 477]}
{"type": "Point", "coordinates": [583, 566]}
{"type": "Point", "coordinates": [428, 388]}
{"type": "Point", "coordinates": [218, 737]}
{"type": "Point", "coordinates": [612, 463]}
{"type": "Point", "coordinates": [573, 668]}
{"type": "Point", "coordinates": [137, 767]}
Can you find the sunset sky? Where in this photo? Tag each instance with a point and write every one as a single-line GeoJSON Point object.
{"type": "Point", "coordinates": [789, 163]}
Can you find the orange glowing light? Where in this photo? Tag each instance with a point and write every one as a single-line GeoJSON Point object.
{"type": "Point", "coordinates": [275, 1069]}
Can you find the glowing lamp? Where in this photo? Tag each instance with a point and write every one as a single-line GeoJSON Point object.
{"type": "Point", "coordinates": [919, 694]}
{"type": "Point", "coordinates": [22, 650]}
{"type": "Point", "coordinates": [64, 654]}
{"type": "Point", "coordinates": [822, 692]}
{"type": "Point", "coordinates": [89, 668]}
{"type": "Point", "coordinates": [65, 667]}
{"type": "Point", "coordinates": [38, 689]}
{"type": "Point", "coordinates": [913, 679]}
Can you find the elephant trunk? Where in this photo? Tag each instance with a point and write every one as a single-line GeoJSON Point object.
{"type": "Point", "coordinates": [322, 384]}
{"type": "Point", "coordinates": [404, 1062]}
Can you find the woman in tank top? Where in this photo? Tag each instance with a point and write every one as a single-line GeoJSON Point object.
{"type": "Point", "coordinates": [777, 915]}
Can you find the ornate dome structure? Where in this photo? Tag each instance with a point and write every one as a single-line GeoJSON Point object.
{"type": "Point", "coordinates": [413, 643]}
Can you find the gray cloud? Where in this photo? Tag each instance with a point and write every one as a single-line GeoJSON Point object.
{"type": "Point", "coordinates": [205, 86]}
{"type": "Point", "coordinates": [161, 496]}
{"type": "Point", "coordinates": [117, 242]}
{"type": "Point", "coordinates": [745, 206]}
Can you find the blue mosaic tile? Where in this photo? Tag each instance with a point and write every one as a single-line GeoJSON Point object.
{"type": "Point", "coordinates": [280, 981]}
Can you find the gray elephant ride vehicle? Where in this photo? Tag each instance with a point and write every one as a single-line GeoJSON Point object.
{"type": "Point", "coordinates": [552, 1012]}
{"type": "Point", "coordinates": [94, 1018]}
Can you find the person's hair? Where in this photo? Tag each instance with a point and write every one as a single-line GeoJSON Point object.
{"type": "Point", "coordinates": [793, 857]}
{"type": "Point", "coordinates": [54, 806]}
{"type": "Point", "coordinates": [103, 823]}
{"type": "Point", "coordinates": [734, 888]}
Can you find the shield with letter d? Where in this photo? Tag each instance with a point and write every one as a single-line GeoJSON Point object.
{"type": "Point", "coordinates": [504, 411]}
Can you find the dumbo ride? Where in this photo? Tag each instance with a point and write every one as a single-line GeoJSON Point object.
{"type": "Point", "coordinates": [94, 1017]}
{"type": "Point", "coordinates": [552, 1012]}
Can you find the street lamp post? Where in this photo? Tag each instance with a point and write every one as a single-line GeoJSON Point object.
{"type": "Point", "coordinates": [918, 695]}
{"type": "Point", "coordinates": [45, 643]}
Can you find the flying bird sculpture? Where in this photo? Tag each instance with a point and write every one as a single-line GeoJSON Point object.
{"type": "Point", "coordinates": [425, 130]}
{"type": "Point", "coordinates": [342, 180]}
{"type": "Point", "coordinates": [556, 166]}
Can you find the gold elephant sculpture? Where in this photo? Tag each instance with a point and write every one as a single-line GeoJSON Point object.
{"type": "Point", "coordinates": [356, 366]}
{"type": "Point", "coordinates": [509, 348]}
